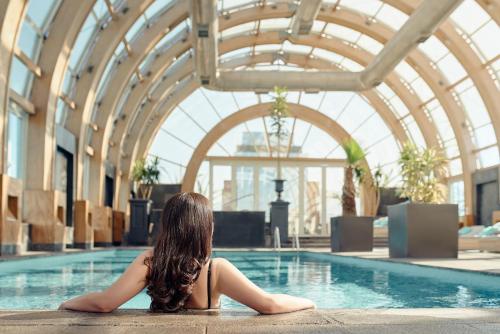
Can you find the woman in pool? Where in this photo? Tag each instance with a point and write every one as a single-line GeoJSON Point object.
{"type": "Point", "coordinates": [179, 273]}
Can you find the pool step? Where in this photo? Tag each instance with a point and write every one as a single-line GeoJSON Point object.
{"type": "Point", "coordinates": [324, 241]}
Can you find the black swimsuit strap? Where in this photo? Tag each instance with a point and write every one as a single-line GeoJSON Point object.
{"type": "Point", "coordinates": [209, 285]}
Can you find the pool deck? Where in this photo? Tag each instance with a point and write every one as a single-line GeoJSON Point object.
{"type": "Point", "coordinates": [485, 262]}
{"type": "Point", "coordinates": [406, 321]}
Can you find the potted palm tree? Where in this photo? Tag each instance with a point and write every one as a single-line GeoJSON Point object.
{"type": "Point", "coordinates": [423, 226]}
{"type": "Point", "coordinates": [145, 174]}
{"type": "Point", "coordinates": [349, 232]}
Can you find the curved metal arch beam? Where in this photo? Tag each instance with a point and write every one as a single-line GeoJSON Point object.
{"type": "Point", "coordinates": [107, 41]}
{"type": "Point", "coordinates": [306, 114]}
{"type": "Point", "coordinates": [122, 123]}
{"type": "Point", "coordinates": [303, 61]}
{"type": "Point", "coordinates": [130, 140]}
{"type": "Point", "coordinates": [11, 17]}
{"type": "Point", "coordinates": [53, 60]}
{"type": "Point", "coordinates": [477, 72]}
{"type": "Point", "coordinates": [171, 18]}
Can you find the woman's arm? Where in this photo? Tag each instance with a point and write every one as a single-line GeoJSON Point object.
{"type": "Point", "coordinates": [127, 286]}
{"type": "Point", "coordinates": [232, 283]}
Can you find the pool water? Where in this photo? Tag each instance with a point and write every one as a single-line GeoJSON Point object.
{"type": "Point", "coordinates": [330, 281]}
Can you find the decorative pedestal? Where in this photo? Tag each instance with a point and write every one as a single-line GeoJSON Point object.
{"type": "Point", "coordinates": [11, 192]}
{"type": "Point", "coordinates": [83, 233]}
{"type": "Point", "coordinates": [118, 227]}
{"type": "Point", "coordinates": [139, 222]}
{"type": "Point", "coordinates": [102, 221]}
{"type": "Point", "coordinates": [279, 218]}
{"type": "Point", "coordinates": [45, 211]}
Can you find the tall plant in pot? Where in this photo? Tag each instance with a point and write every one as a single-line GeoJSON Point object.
{"type": "Point", "coordinates": [278, 114]}
{"type": "Point", "coordinates": [354, 157]}
{"type": "Point", "coordinates": [145, 174]}
{"type": "Point", "coordinates": [423, 226]}
{"type": "Point", "coordinates": [350, 232]}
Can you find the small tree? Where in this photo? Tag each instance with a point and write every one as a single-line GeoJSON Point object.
{"type": "Point", "coordinates": [145, 174]}
{"type": "Point", "coordinates": [278, 113]}
{"type": "Point", "coordinates": [354, 156]}
{"type": "Point", "coordinates": [419, 170]}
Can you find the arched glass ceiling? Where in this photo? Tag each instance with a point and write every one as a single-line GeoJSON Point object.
{"type": "Point", "coordinates": [471, 21]}
{"type": "Point", "coordinates": [192, 119]}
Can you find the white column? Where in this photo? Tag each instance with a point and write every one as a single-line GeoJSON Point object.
{"type": "Point", "coordinates": [211, 183]}
{"type": "Point", "coordinates": [324, 218]}
{"type": "Point", "coordinates": [256, 187]}
{"type": "Point", "coordinates": [300, 228]}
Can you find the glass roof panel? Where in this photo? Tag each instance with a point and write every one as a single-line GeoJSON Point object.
{"type": "Point", "coordinates": [422, 89]}
{"type": "Point", "coordinates": [371, 45]}
{"type": "Point", "coordinates": [413, 131]}
{"type": "Point", "coordinates": [473, 104]}
{"type": "Point", "coordinates": [391, 16]}
{"type": "Point", "coordinates": [434, 48]}
{"type": "Point", "coordinates": [29, 40]}
{"type": "Point", "coordinates": [370, 7]}
{"type": "Point", "coordinates": [406, 71]}
{"type": "Point", "coordinates": [398, 106]}
{"type": "Point", "coordinates": [469, 16]}
{"type": "Point", "coordinates": [39, 11]}
{"type": "Point", "coordinates": [351, 65]}
{"type": "Point", "coordinates": [451, 68]}
{"type": "Point", "coordinates": [328, 55]}
{"type": "Point", "coordinates": [342, 32]}
{"type": "Point", "coordinates": [489, 157]}
{"type": "Point", "coordinates": [486, 39]}
{"type": "Point", "coordinates": [295, 48]}
{"type": "Point", "coordinates": [239, 29]}
{"type": "Point", "coordinates": [485, 136]}
{"type": "Point", "coordinates": [275, 24]}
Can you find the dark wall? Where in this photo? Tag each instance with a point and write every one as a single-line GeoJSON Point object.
{"type": "Point", "coordinates": [485, 193]}
{"type": "Point", "coordinates": [162, 193]}
{"type": "Point", "coordinates": [388, 196]}
{"type": "Point", "coordinates": [239, 229]}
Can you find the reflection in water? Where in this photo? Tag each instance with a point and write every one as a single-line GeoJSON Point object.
{"type": "Point", "coordinates": [328, 283]}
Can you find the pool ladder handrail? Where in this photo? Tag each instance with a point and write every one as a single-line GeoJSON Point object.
{"type": "Point", "coordinates": [277, 240]}
{"type": "Point", "coordinates": [296, 242]}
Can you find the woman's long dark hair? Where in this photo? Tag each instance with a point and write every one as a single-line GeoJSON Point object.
{"type": "Point", "coordinates": [182, 248]}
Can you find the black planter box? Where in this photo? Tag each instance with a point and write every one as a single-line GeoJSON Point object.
{"type": "Point", "coordinates": [351, 234]}
{"type": "Point", "coordinates": [423, 230]}
{"type": "Point", "coordinates": [239, 229]}
{"type": "Point", "coordinates": [139, 222]}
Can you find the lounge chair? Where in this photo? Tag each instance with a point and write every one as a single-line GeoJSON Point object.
{"type": "Point", "coordinates": [480, 238]}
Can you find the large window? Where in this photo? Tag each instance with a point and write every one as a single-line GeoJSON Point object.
{"type": "Point", "coordinates": [16, 142]}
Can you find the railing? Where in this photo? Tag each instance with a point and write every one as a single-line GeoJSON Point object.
{"type": "Point", "coordinates": [277, 240]}
{"type": "Point", "coordinates": [296, 242]}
